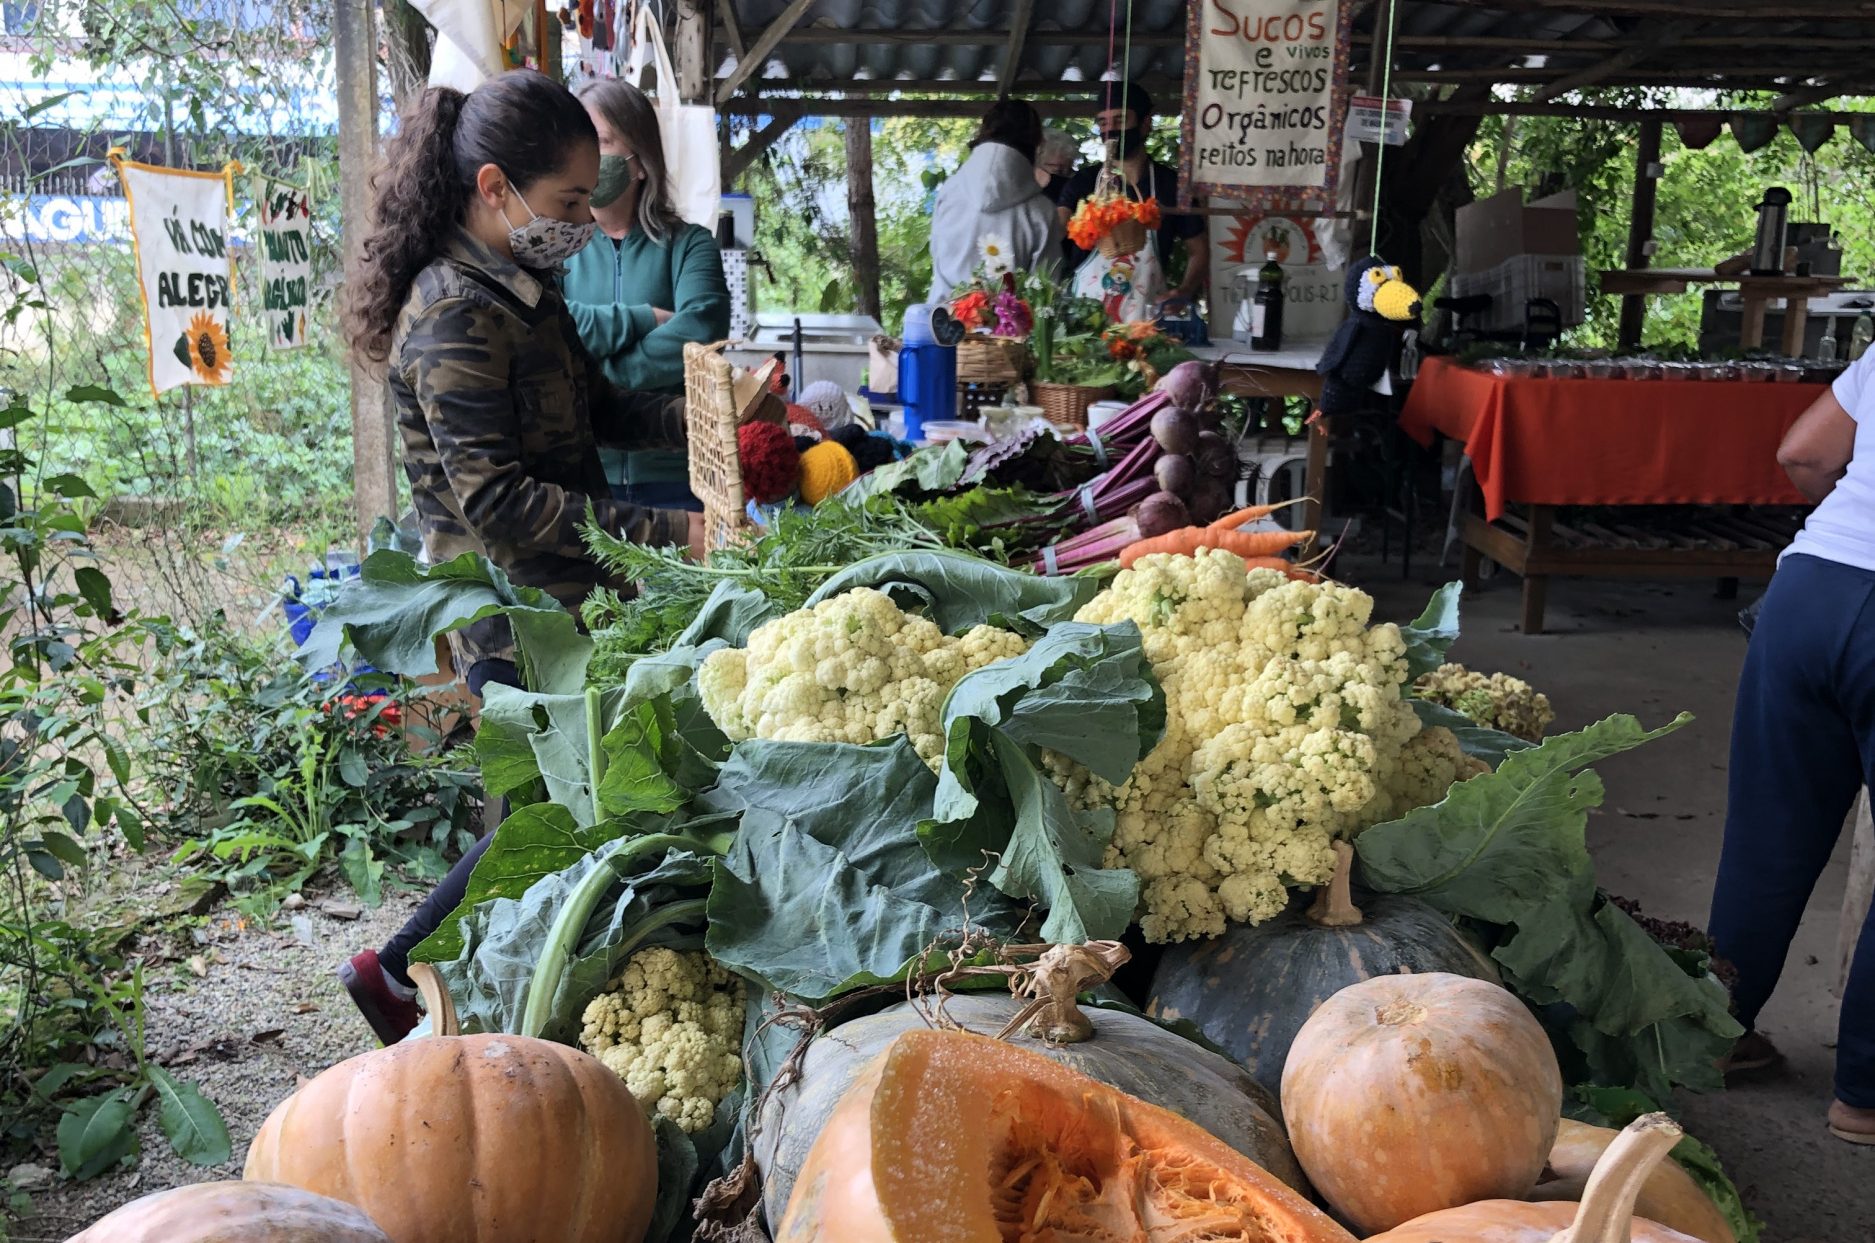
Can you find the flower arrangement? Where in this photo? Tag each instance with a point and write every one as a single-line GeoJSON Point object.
{"type": "Point", "coordinates": [1102, 212]}
{"type": "Point", "coordinates": [997, 303]}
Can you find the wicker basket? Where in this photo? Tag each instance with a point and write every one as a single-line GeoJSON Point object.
{"type": "Point", "coordinates": [1065, 405]}
{"type": "Point", "coordinates": [710, 421]}
{"type": "Point", "coordinates": [1125, 238]}
{"type": "Point", "coordinates": [991, 360]}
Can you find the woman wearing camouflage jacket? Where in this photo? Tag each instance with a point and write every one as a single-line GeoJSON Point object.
{"type": "Point", "coordinates": [456, 296]}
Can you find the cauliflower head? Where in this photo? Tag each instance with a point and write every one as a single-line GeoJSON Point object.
{"type": "Point", "coordinates": [1497, 700]}
{"type": "Point", "coordinates": [853, 669]}
{"type": "Point", "coordinates": [670, 1026]}
{"type": "Point", "coordinates": [1286, 729]}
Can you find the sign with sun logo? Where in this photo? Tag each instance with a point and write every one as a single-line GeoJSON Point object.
{"type": "Point", "coordinates": [179, 228]}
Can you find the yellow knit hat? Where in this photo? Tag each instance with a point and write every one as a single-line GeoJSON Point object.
{"type": "Point", "coordinates": [825, 469]}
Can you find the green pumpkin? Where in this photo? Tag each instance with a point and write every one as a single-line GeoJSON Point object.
{"type": "Point", "coordinates": [1250, 990]}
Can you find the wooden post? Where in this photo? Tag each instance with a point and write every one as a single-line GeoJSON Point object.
{"type": "Point", "coordinates": [1647, 170]}
{"type": "Point", "coordinates": [374, 451]}
{"type": "Point", "coordinates": [860, 212]}
{"type": "Point", "coordinates": [1860, 894]}
{"type": "Point", "coordinates": [690, 51]}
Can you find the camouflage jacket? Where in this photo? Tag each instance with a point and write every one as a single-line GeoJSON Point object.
{"type": "Point", "coordinates": [501, 412]}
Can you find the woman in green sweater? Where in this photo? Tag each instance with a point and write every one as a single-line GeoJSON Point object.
{"type": "Point", "coordinates": [647, 284]}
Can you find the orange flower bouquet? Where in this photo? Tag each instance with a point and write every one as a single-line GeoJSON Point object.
{"type": "Point", "coordinates": [1112, 223]}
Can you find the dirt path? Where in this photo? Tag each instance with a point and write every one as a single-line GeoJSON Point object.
{"type": "Point", "coordinates": [267, 1009]}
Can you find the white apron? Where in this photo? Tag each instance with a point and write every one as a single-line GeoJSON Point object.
{"type": "Point", "coordinates": [1130, 286]}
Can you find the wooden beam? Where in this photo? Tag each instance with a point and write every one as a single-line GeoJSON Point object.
{"type": "Point", "coordinates": [1592, 112]}
{"type": "Point", "coordinates": [1647, 41]}
{"type": "Point", "coordinates": [758, 55]}
{"type": "Point", "coordinates": [1790, 101]}
{"type": "Point", "coordinates": [756, 106]}
{"type": "Point", "coordinates": [1589, 47]}
{"type": "Point", "coordinates": [1019, 23]}
{"type": "Point", "coordinates": [1647, 173]}
{"type": "Point", "coordinates": [374, 441]}
{"type": "Point", "coordinates": [830, 36]}
{"type": "Point", "coordinates": [1740, 11]}
{"type": "Point", "coordinates": [732, 29]}
{"type": "Point", "coordinates": [1735, 77]}
{"type": "Point", "coordinates": [739, 160]}
{"type": "Point", "coordinates": [865, 87]}
{"type": "Point", "coordinates": [862, 215]}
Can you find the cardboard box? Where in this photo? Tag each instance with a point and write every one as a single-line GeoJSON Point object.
{"type": "Point", "coordinates": [1504, 227]}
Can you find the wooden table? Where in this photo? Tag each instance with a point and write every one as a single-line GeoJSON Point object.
{"type": "Point", "coordinates": [1633, 447]}
{"type": "Point", "coordinates": [1756, 291]}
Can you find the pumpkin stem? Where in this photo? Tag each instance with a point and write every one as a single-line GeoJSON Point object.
{"type": "Point", "coordinates": [436, 1002]}
{"type": "Point", "coordinates": [1334, 902]}
{"type": "Point", "coordinates": [1606, 1214]}
{"type": "Point", "coordinates": [1054, 982]}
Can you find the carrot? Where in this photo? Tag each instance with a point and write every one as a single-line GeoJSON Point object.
{"type": "Point", "coordinates": [1230, 522]}
{"type": "Point", "coordinates": [1186, 541]}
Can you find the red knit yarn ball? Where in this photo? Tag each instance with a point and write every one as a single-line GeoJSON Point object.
{"type": "Point", "coordinates": [771, 466]}
{"type": "Point", "coordinates": [802, 420]}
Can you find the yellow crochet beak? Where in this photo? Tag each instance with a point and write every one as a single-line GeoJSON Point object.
{"type": "Point", "coordinates": [1398, 301]}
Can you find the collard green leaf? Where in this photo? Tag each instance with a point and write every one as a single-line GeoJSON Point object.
{"type": "Point", "coordinates": [933, 469]}
{"type": "Point", "coordinates": [957, 590]}
{"type": "Point", "coordinates": [731, 614]}
{"type": "Point", "coordinates": [1509, 841]}
{"type": "Point", "coordinates": [1478, 741]}
{"type": "Point", "coordinates": [827, 887]}
{"type": "Point", "coordinates": [1433, 632]}
{"type": "Point", "coordinates": [190, 1121]}
{"type": "Point", "coordinates": [635, 780]}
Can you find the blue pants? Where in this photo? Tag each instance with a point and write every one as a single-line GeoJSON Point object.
{"type": "Point", "coordinates": [1803, 744]}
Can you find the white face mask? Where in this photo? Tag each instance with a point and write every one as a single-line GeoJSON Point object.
{"type": "Point", "coordinates": [543, 243]}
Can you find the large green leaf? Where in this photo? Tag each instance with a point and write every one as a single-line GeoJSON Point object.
{"type": "Point", "coordinates": [731, 614]}
{"type": "Point", "coordinates": [957, 590]}
{"type": "Point", "coordinates": [190, 1121]}
{"type": "Point", "coordinates": [1433, 632]}
{"type": "Point", "coordinates": [1617, 1106]}
{"type": "Point", "coordinates": [827, 887]}
{"type": "Point", "coordinates": [1506, 842]}
{"type": "Point", "coordinates": [1086, 693]}
{"type": "Point", "coordinates": [503, 940]}
{"type": "Point", "coordinates": [95, 1134]}
{"type": "Point", "coordinates": [932, 469]}
{"type": "Point", "coordinates": [393, 611]}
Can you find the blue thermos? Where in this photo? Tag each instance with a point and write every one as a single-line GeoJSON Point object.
{"type": "Point", "coordinates": [927, 374]}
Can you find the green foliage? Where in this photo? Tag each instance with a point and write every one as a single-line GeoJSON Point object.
{"type": "Point", "coordinates": [1616, 1107]}
{"type": "Point", "coordinates": [1705, 200]}
{"type": "Point", "coordinates": [270, 774]}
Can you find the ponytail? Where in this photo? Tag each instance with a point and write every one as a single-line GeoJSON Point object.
{"type": "Point", "coordinates": [524, 123]}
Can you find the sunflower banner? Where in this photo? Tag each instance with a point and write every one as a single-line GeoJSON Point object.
{"type": "Point", "coordinates": [179, 228]}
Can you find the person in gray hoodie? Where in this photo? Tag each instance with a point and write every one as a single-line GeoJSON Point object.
{"type": "Point", "coordinates": [994, 199]}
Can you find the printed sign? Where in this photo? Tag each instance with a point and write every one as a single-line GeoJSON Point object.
{"type": "Point", "coordinates": [64, 219]}
{"type": "Point", "coordinates": [1266, 100]}
{"type": "Point", "coordinates": [1312, 290]}
{"type": "Point", "coordinates": [1370, 121]}
{"type": "Point", "coordinates": [285, 213]}
{"type": "Point", "coordinates": [179, 226]}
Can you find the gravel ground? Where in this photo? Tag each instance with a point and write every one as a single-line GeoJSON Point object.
{"type": "Point", "coordinates": [267, 1010]}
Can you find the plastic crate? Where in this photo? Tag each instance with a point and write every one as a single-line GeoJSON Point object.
{"type": "Point", "coordinates": [1515, 283]}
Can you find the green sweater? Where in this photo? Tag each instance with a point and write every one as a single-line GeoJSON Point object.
{"type": "Point", "coordinates": [611, 288]}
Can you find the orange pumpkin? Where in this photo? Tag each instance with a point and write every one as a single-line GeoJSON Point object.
{"type": "Point", "coordinates": [1604, 1215]}
{"type": "Point", "coordinates": [955, 1138]}
{"type": "Point", "coordinates": [230, 1212]}
{"type": "Point", "coordinates": [1670, 1196]}
{"type": "Point", "coordinates": [1406, 1094]}
{"type": "Point", "coordinates": [470, 1139]}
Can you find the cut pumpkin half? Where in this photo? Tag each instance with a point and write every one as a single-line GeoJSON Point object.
{"type": "Point", "coordinates": [955, 1138]}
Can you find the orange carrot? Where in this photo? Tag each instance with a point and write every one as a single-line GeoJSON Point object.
{"type": "Point", "coordinates": [1188, 540]}
{"type": "Point", "coordinates": [1230, 522]}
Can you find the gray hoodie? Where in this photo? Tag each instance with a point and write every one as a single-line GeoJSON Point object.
{"type": "Point", "coordinates": [994, 194]}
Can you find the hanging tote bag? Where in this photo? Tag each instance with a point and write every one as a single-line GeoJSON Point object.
{"type": "Point", "coordinates": [689, 130]}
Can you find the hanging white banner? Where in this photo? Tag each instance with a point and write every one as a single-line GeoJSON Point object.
{"type": "Point", "coordinates": [179, 226]}
{"type": "Point", "coordinates": [285, 214]}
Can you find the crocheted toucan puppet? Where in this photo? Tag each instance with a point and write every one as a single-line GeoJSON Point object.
{"type": "Point", "coordinates": [1380, 306]}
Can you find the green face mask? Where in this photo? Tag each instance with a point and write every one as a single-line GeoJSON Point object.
{"type": "Point", "coordinates": [615, 178]}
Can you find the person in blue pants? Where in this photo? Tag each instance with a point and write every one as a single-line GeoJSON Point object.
{"type": "Point", "coordinates": [1803, 740]}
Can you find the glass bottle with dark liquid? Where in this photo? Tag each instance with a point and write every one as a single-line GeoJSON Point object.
{"type": "Point", "coordinates": [1266, 313]}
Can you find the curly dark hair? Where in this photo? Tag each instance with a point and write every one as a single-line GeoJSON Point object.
{"type": "Point", "coordinates": [523, 122]}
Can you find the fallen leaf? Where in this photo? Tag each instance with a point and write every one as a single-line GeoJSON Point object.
{"type": "Point", "coordinates": [270, 1036]}
{"type": "Point", "coordinates": [306, 1007]}
{"type": "Point", "coordinates": [197, 967]}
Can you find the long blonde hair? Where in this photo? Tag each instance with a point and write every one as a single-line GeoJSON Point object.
{"type": "Point", "coordinates": [633, 117]}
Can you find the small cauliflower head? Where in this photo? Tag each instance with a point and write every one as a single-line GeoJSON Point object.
{"type": "Point", "coordinates": [1498, 700]}
{"type": "Point", "coordinates": [1286, 729]}
{"type": "Point", "coordinates": [670, 1026]}
{"type": "Point", "coordinates": [854, 669]}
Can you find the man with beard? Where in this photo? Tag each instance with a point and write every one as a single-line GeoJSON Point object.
{"type": "Point", "coordinates": [1125, 119]}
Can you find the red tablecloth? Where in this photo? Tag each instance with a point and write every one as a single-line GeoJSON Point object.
{"type": "Point", "coordinates": [1611, 442]}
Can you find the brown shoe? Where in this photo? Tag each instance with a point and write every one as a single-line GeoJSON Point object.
{"type": "Point", "coordinates": [1846, 1122]}
{"type": "Point", "coordinates": [1752, 1055]}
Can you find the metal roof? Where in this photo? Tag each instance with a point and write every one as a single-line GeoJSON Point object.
{"type": "Point", "coordinates": [958, 48]}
